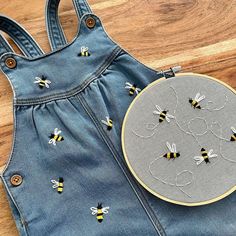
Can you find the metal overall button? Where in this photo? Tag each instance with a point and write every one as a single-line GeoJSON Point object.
{"type": "Point", "coordinates": [16, 180]}
{"type": "Point", "coordinates": [10, 62]}
{"type": "Point", "coordinates": [90, 22]}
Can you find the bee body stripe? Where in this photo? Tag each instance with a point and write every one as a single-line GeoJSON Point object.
{"type": "Point", "coordinates": [59, 189]}
{"type": "Point", "coordinates": [100, 215]}
{"type": "Point", "coordinates": [163, 115]}
{"type": "Point", "coordinates": [204, 154]}
{"type": "Point", "coordinates": [233, 137]}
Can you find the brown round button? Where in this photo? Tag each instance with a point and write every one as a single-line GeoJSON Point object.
{"type": "Point", "coordinates": [10, 62]}
{"type": "Point", "coordinates": [90, 22]}
{"type": "Point", "coordinates": [16, 180]}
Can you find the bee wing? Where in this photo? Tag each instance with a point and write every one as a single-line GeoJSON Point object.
{"type": "Point", "coordinates": [212, 156]}
{"type": "Point", "coordinates": [170, 116]}
{"type": "Point", "coordinates": [200, 98]}
{"type": "Point", "coordinates": [158, 108]}
{"type": "Point", "coordinates": [199, 159]}
{"type": "Point", "coordinates": [233, 130]}
{"type": "Point", "coordinates": [46, 85]}
{"type": "Point", "coordinates": [55, 183]}
{"type": "Point", "coordinates": [50, 141]}
{"type": "Point", "coordinates": [37, 80]}
{"type": "Point", "coordinates": [94, 210]}
{"type": "Point", "coordinates": [210, 152]}
{"type": "Point", "coordinates": [57, 131]}
{"type": "Point", "coordinates": [168, 146]}
{"type": "Point", "coordinates": [85, 49]}
{"type": "Point", "coordinates": [197, 96]}
{"type": "Point", "coordinates": [105, 210]}
{"type": "Point", "coordinates": [104, 122]}
{"type": "Point", "coordinates": [48, 81]}
{"type": "Point", "coordinates": [174, 147]}
{"type": "Point", "coordinates": [167, 119]}
{"type": "Point", "coordinates": [138, 89]}
{"type": "Point", "coordinates": [128, 85]}
{"type": "Point", "coordinates": [156, 112]}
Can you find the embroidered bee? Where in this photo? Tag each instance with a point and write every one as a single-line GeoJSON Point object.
{"type": "Point", "coordinates": [84, 52]}
{"type": "Point", "coordinates": [233, 137]}
{"type": "Point", "coordinates": [195, 102]}
{"type": "Point", "coordinates": [108, 122]}
{"type": "Point", "coordinates": [205, 156]}
{"type": "Point", "coordinates": [172, 154]}
{"type": "Point", "coordinates": [59, 185]}
{"type": "Point", "coordinates": [99, 211]}
{"type": "Point", "coordinates": [55, 137]}
{"type": "Point", "coordinates": [42, 82]}
{"type": "Point", "coordinates": [132, 88]}
{"type": "Point", "coordinates": [163, 114]}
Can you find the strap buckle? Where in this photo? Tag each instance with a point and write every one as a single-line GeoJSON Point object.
{"type": "Point", "coordinates": [171, 72]}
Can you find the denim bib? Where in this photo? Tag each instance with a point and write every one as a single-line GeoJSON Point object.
{"type": "Point", "coordinates": [66, 174]}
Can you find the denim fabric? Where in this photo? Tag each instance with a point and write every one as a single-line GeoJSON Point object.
{"type": "Point", "coordinates": [83, 92]}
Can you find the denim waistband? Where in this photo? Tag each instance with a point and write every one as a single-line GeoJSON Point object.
{"type": "Point", "coordinates": [58, 67]}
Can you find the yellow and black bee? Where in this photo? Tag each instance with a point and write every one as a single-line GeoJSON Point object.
{"type": "Point", "coordinates": [132, 88]}
{"type": "Point", "coordinates": [233, 137]}
{"type": "Point", "coordinates": [108, 122]}
{"type": "Point", "coordinates": [205, 156]}
{"type": "Point", "coordinates": [84, 52]}
{"type": "Point", "coordinates": [173, 153]}
{"type": "Point", "coordinates": [59, 185]}
{"type": "Point", "coordinates": [163, 114]}
{"type": "Point", "coordinates": [99, 211]}
{"type": "Point", "coordinates": [55, 137]}
{"type": "Point", "coordinates": [195, 102]}
{"type": "Point", "coordinates": [42, 82]}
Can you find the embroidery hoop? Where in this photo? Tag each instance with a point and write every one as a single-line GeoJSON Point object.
{"type": "Point", "coordinates": [135, 174]}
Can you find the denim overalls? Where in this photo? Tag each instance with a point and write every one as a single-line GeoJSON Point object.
{"type": "Point", "coordinates": [66, 174]}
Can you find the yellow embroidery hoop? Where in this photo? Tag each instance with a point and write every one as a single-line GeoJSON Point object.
{"type": "Point", "coordinates": [132, 170]}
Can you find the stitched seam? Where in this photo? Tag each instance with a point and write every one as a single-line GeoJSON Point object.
{"type": "Point", "coordinates": [51, 38]}
{"type": "Point", "coordinates": [4, 45]}
{"type": "Point", "coordinates": [87, 6]}
{"type": "Point", "coordinates": [52, 13]}
{"type": "Point", "coordinates": [32, 45]}
{"type": "Point", "coordinates": [78, 9]}
{"type": "Point", "coordinates": [14, 202]}
{"type": "Point", "coordinates": [22, 218]}
{"type": "Point", "coordinates": [75, 90]}
{"type": "Point", "coordinates": [60, 31]}
{"type": "Point", "coordinates": [111, 147]}
{"type": "Point", "coordinates": [27, 37]}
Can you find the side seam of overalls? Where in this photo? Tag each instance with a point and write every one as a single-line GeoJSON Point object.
{"type": "Point", "coordinates": [57, 40]}
{"type": "Point", "coordinates": [28, 47]}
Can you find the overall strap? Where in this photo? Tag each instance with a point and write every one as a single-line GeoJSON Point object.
{"type": "Point", "coordinates": [20, 36]}
{"type": "Point", "coordinates": [4, 46]}
{"type": "Point", "coordinates": [56, 35]}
